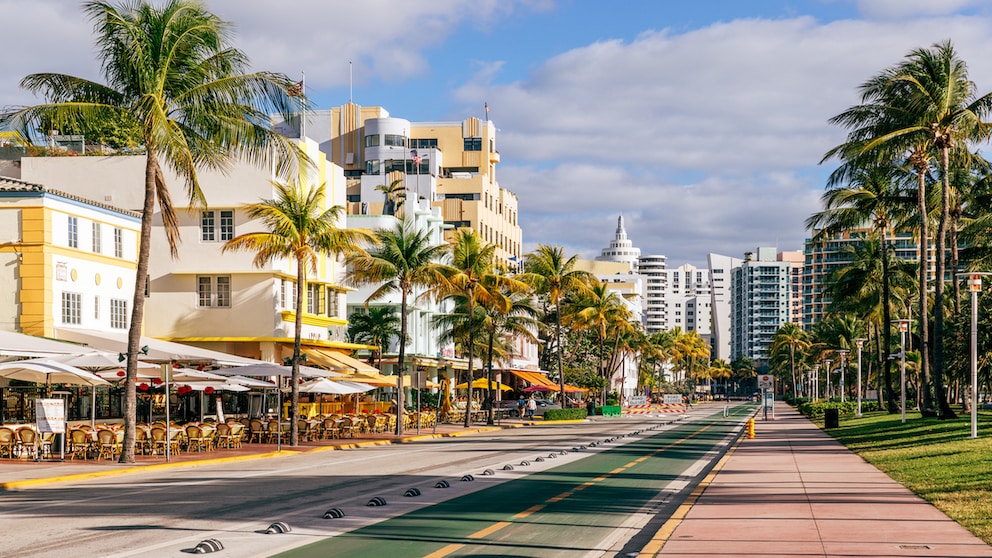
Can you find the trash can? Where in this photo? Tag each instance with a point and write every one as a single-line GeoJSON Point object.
{"type": "Point", "coordinates": [831, 418]}
{"type": "Point", "coordinates": [590, 408]}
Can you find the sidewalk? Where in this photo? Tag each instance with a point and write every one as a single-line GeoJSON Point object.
{"type": "Point", "coordinates": [794, 491]}
{"type": "Point", "coordinates": [22, 473]}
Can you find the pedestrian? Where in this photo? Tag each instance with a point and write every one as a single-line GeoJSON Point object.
{"type": "Point", "coordinates": [521, 406]}
{"type": "Point", "coordinates": [531, 407]}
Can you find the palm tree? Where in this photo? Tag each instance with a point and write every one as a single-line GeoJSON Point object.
{"type": "Point", "coordinates": [298, 227]}
{"type": "Point", "coordinates": [514, 314]}
{"type": "Point", "coordinates": [554, 277]}
{"type": "Point", "coordinates": [171, 70]}
{"type": "Point", "coordinates": [395, 195]}
{"type": "Point", "coordinates": [792, 337]}
{"type": "Point", "coordinates": [596, 308]}
{"type": "Point", "coordinates": [376, 326]}
{"type": "Point", "coordinates": [403, 259]}
{"type": "Point", "coordinates": [470, 275]}
{"type": "Point", "coordinates": [872, 193]}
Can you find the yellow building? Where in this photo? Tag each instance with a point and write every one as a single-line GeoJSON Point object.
{"type": "Point", "coordinates": [451, 165]}
{"type": "Point", "coordinates": [67, 261]}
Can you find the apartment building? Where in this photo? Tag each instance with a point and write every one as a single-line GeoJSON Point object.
{"type": "Point", "coordinates": [760, 303]}
{"type": "Point", "coordinates": [450, 165]}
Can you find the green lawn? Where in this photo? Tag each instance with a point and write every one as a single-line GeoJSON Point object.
{"type": "Point", "coordinates": [934, 458]}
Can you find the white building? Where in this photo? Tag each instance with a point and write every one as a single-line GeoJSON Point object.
{"type": "Point", "coordinates": [720, 271]}
{"type": "Point", "coordinates": [761, 303]}
{"type": "Point", "coordinates": [652, 268]}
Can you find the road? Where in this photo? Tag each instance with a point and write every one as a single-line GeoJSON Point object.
{"type": "Point", "coordinates": [599, 500]}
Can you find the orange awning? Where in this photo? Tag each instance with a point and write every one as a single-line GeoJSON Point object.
{"type": "Point", "coordinates": [533, 378]}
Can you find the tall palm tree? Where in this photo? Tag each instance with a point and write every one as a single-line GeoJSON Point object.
{"type": "Point", "coordinates": [299, 227]}
{"type": "Point", "coordinates": [376, 326]}
{"type": "Point", "coordinates": [792, 337]}
{"type": "Point", "coordinates": [554, 276]}
{"type": "Point", "coordinates": [404, 259]}
{"type": "Point", "coordinates": [169, 68]}
{"type": "Point", "coordinates": [595, 309]}
{"type": "Point", "coordinates": [868, 192]}
{"type": "Point", "coordinates": [471, 275]}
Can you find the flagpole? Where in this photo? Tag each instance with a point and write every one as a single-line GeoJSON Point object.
{"type": "Point", "coordinates": [303, 94]}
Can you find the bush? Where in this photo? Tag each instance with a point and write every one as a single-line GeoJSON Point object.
{"type": "Point", "coordinates": [564, 414]}
{"type": "Point", "coordinates": [815, 409]}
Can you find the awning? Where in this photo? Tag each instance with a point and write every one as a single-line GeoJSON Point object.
{"type": "Point", "coordinates": [158, 350]}
{"type": "Point", "coordinates": [20, 345]}
{"type": "Point", "coordinates": [533, 378]}
{"type": "Point", "coordinates": [338, 362]}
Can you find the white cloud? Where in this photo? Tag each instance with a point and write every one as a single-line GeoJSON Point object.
{"type": "Point", "coordinates": [706, 141]}
{"type": "Point", "coordinates": [898, 9]}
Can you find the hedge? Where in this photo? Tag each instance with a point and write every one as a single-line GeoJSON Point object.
{"type": "Point", "coordinates": [815, 409]}
{"type": "Point", "coordinates": [564, 414]}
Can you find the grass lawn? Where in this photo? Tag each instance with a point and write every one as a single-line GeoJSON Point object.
{"type": "Point", "coordinates": [934, 458]}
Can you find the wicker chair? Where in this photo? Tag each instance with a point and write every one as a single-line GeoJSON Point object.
{"type": "Point", "coordinates": [27, 441]}
{"type": "Point", "coordinates": [195, 440]}
{"type": "Point", "coordinates": [107, 446]}
{"type": "Point", "coordinates": [79, 443]}
{"type": "Point", "coordinates": [8, 441]}
{"type": "Point", "coordinates": [256, 433]}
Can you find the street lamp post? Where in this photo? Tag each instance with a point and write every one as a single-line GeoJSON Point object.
{"type": "Point", "coordinates": [903, 328]}
{"type": "Point", "coordinates": [860, 342]}
{"type": "Point", "coordinates": [843, 353]}
{"type": "Point", "coordinates": [975, 286]}
{"type": "Point", "coordinates": [826, 381]}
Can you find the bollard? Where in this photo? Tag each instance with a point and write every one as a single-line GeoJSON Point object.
{"type": "Point", "coordinates": [750, 428]}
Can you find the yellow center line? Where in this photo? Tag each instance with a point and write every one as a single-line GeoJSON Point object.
{"type": "Point", "coordinates": [533, 509]}
{"type": "Point", "coordinates": [560, 497]}
{"type": "Point", "coordinates": [441, 552]}
{"type": "Point", "coordinates": [489, 530]}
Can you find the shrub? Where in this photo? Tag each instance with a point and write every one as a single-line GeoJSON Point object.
{"type": "Point", "coordinates": [564, 414]}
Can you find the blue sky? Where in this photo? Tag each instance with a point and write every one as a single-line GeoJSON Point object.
{"type": "Point", "coordinates": [703, 123]}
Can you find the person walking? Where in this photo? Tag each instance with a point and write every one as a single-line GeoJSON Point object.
{"type": "Point", "coordinates": [531, 407]}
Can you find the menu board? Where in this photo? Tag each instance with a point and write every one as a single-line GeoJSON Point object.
{"type": "Point", "coordinates": [50, 415]}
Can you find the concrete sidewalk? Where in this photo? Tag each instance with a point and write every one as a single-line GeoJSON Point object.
{"type": "Point", "coordinates": [795, 491]}
{"type": "Point", "coordinates": [23, 473]}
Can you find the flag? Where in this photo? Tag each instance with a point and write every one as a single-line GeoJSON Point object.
{"type": "Point", "coordinates": [416, 158]}
{"type": "Point", "coordinates": [487, 110]}
{"type": "Point", "coordinates": [295, 90]}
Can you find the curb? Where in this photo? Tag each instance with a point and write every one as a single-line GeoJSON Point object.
{"type": "Point", "coordinates": [27, 483]}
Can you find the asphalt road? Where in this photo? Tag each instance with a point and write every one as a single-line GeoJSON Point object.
{"type": "Point", "coordinates": [596, 501]}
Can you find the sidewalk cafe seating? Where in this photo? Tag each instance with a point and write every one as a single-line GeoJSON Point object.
{"type": "Point", "coordinates": [256, 431]}
{"type": "Point", "coordinates": [107, 445]}
{"type": "Point", "coordinates": [27, 439]}
{"type": "Point", "coordinates": [7, 442]}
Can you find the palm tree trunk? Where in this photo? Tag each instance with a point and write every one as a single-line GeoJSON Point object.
{"type": "Point", "coordinates": [489, 387]}
{"type": "Point", "coordinates": [471, 356]}
{"type": "Point", "coordinates": [943, 409]}
{"type": "Point", "coordinates": [924, 316]}
{"type": "Point", "coordinates": [401, 364]}
{"type": "Point", "coordinates": [887, 326]}
{"type": "Point", "coordinates": [792, 366]}
{"type": "Point", "coordinates": [301, 286]}
{"type": "Point", "coordinates": [138, 308]}
{"type": "Point", "coordinates": [558, 349]}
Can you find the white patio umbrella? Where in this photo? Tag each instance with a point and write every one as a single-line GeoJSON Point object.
{"type": "Point", "coordinates": [182, 375]}
{"type": "Point", "coordinates": [250, 382]}
{"type": "Point", "coordinates": [47, 371]}
{"type": "Point", "coordinates": [266, 369]}
{"type": "Point", "coordinates": [323, 385]}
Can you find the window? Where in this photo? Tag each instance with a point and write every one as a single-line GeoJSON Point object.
{"type": "Point", "coordinates": [96, 307]}
{"type": "Point", "coordinates": [213, 291]}
{"type": "Point", "coordinates": [97, 238]}
{"type": "Point", "coordinates": [313, 298]}
{"type": "Point", "coordinates": [332, 302]}
{"type": "Point", "coordinates": [372, 141]}
{"type": "Point", "coordinates": [395, 140]}
{"type": "Point", "coordinates": [371, 167]}
{"type": "Point", "coordinates": [207, 226]}
{"type": "Point", "coordinates": [73, 232]}
{"type": "Point", "coordinates": [209, 229]}
{"type": "Point", "coordinates": [72, 304]}
{"type": "Point", "coordinates": [473, 144]}
{"type": "Point", "coordinates": [118, 243]}
{"type": "Point", "coordinates": [423, 143]}
{"type": "Point", "coordinates": [282, 293]}
{"type": "Point", "coordinates": [118, 313]}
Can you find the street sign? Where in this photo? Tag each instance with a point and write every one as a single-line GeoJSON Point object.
{"type": "Point", "coordinates": [766, 381]}
{"type": "Point", "coordinates": [672, 399]}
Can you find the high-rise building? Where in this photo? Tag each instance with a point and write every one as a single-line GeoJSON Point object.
{"type": "Point", "coordinates": [451, 165]}
{"type": "Point", "coordinates": [721, 268]}
{"type": "Point", "coordinates": [652, 268]}
{"type": "Point", "coordinates": [825, 253]}
{"type": "Point", "coordinates": [760, 303]}
{"type": "Point", "coordinates": [621, 249]}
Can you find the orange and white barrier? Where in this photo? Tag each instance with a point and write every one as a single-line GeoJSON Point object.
{"type": "Point", "coordinates": [656, 408]}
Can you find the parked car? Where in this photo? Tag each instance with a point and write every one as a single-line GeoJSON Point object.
{"type": "Point", "coordinates": [543, 405]}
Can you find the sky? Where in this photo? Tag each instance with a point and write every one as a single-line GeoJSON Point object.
{"type": "Point", "coordinates": [702, 123]}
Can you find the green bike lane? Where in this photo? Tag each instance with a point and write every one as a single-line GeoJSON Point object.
{"type": "Point", "coordinates": [567, 510]}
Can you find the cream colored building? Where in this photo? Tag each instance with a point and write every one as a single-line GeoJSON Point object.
{"type": "Point", "coordinates": [451, 165]}
{"type": "Point", "coordinates": [67, 261]}
{"type": "Point", "coordinates": [207, 297]}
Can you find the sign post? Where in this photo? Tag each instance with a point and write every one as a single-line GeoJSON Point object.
{"type": "Point", "coordinates": [50, 418]}
{"type": "Point", "coordinates": [766, 383]}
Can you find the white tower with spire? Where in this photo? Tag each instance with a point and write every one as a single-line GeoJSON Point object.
{"type": "Point", "coordinates": [621, 249]}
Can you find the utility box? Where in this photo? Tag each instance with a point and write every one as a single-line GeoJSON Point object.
{"type": "Point", "coordinates": [831, 418]}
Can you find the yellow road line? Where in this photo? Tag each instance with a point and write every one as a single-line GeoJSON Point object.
{"type": "Point", "coordinates": [531, 510]}
{"type": "Point", "coordinates": [489, 530]}
{"type": "Point", "coordinates": [445, 551]}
